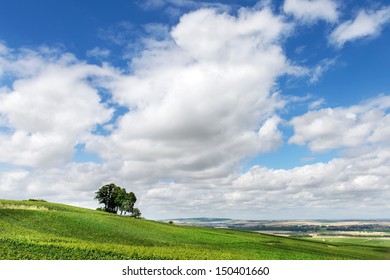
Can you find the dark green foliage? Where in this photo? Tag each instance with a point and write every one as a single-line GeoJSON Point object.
{"type": "Point", "coordinates": [34, 199]}
{"type": "Point", "coordinates": [117, 199]}
{"type": "Point", "coordinates": [135, 213]}
{"type": "Point", "coordinates": [109, 195]}
{"type": "Point", "coordinates": [126, 203]}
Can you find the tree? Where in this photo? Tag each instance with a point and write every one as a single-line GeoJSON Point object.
{"type": "Point", "coordinates": [117, 199]}
{"type": "Point", "coordinates": [136, 213]}
{"type": "Point", "coordinates": [108, 196]}
{"type": "Point", "coordinates": [127, 203]}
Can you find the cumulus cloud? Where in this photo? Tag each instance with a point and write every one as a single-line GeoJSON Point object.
{"type": "Point", "coordinates": [197, 100]}
{"type": "Point", "coordinates": [205, 91]}
{"type": "Point", "coordinates": [366, 24]}
{"type": "Point", "coordinates": [355, 185]}
{"type": "Point", "coordinates": [312, 10]}
{"type": "Point", "coordinates": [332, 128]}
{"type": "Point", "coordinates": [73, 183]}
{"type": "Point", "coordinates": [49, 107]}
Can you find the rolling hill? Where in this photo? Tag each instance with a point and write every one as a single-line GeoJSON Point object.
{"type": "Point", "coordinates": [43, 230]}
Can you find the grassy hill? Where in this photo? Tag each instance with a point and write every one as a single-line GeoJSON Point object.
{"type": "Point", "coordinates": [43, 230]}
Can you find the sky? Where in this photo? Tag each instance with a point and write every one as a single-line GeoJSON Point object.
{"type": "Point", "coordinates": [234, 109]}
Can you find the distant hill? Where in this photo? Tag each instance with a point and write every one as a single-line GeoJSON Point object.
{"type": "Point", "coordinates": [292, 225]}
{"type": "Point", "coordinates": [199, 220]}
{"type": "Point", "coordinates": [43, 230]}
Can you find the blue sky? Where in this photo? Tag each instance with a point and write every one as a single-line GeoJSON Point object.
{"type": "Point", "coordinates": [278, 109]}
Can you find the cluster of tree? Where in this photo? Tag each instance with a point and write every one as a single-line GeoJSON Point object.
{"type": "Point", "coordinates": [117, 199]}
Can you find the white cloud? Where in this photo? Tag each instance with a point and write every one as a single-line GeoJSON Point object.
{"type": "Point", "coordinates": [259, 30]}
{"type": "Point", "coordinates": [317, 103]}
{"type": "Point", "coordinates": [366, 24]}
{"type": "Point", "coordinates": [270, 136]}
{"type": "Point", "coordinates": [318, 71]}
{"type": "Point", "coordinates": [173, 7]}
{"type": "Point", "coordinates": [3, 49]}
{"type": "Point", "coordinates": [200, 100]}
{"type": "Point", "coordinates": [201, 97]}
{"type": "Point", "coordinates": [49, 108]}
{"type": "Point", "coordinates": [346, 187]}
{"type": "Point", "coordinates": [118, 34]}
{"type": "Point", "coordinates": [194, 97]}
{"type": "Point", "coordinates": [98, 52]}
{"type": "Point", "coordinates": [354, 126]}
{"type": "Point", "coordinates": [354, 186]}
{"type": "Point", "coordinates": [73, 183]}
{"type": "Point", "coordinates": [312, 10]}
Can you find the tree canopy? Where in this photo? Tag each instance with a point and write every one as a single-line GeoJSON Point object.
{"type": "Point", "coordinates": [117, 199]}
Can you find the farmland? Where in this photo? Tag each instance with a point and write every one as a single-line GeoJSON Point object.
{"type": "Point", "coordinates": [370, 229]}
{"type": "Point", "coordinates": [43, 230]}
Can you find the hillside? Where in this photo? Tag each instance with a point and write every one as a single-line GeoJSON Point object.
{"type": "Point", "coordinates": [43, 230]}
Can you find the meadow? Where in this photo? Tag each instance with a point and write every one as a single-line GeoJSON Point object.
{"type": "Point", "coordinates": [42, 230]}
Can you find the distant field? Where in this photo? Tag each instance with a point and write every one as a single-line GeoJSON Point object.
{"type": "Point", "coordinates": [42, 230]}
{"type": "Point", "coordinates": [358, 240]}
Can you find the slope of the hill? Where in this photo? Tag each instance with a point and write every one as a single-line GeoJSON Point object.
{"type": "Point", "coordinates": [43, 230]}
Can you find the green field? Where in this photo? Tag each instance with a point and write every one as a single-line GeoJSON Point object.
{"type": "Point", "coordinates": [42, 230]}
{"type": "Point", "coordinates": [358, 241]}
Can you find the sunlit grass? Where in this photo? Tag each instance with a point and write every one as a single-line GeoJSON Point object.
{"type": "Point", "coordinates": [66, 232]}
{"type": "Point", "coordinates": [23, 207]}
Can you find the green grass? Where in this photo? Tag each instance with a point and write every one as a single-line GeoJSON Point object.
{"type": "Point", "coordinates": [357, 241]}
{"type": "Point", "coordinates": [43, 230]}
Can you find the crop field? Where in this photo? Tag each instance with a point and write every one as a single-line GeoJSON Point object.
{"type": "Point", "coordinates": [43, 230]}
{"type": "Point", "coordinates": [357, 241]}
